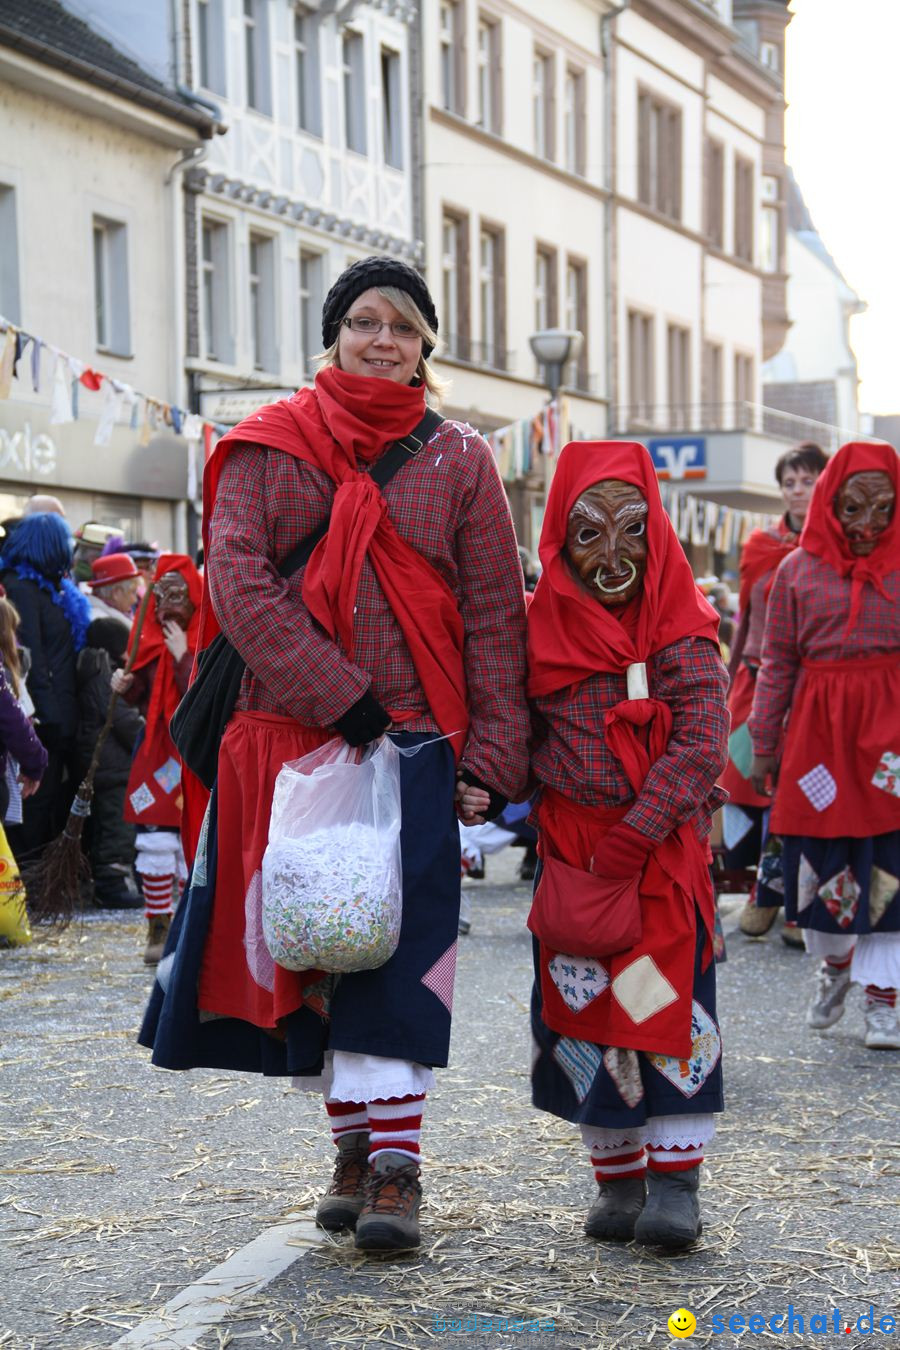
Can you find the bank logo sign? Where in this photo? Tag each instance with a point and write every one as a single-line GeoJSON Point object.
{"type": "Point", "coordinates": [678, 457]}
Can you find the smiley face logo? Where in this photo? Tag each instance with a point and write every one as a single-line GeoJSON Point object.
{"type": "Point", "coordinates": [682, 1323]}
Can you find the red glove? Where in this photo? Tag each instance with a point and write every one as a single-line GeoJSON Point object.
{"type": "Point", "coordinates": [622, 853]}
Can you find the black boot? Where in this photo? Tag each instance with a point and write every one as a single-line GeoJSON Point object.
{"type": "Point", "coordinates": [671, 1216]}
{"type": "Point", "coordinates": [616, 1209]}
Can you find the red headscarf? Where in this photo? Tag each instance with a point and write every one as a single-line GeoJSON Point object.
{"type": "Point", "coordinates": [164, 697]}
{"type": "Point", "coordinates": [761, 555]}
{"type": "Point", "coordinates": [343, 419]}
{"type": "Point", "coordinates": [823, 534]}
{"type": "Point", "coordinates": [571, 635]}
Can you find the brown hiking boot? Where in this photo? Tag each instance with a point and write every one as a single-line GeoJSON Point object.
{"type": "Point", "coordinates": [389, 1217]}
{"type": "Point", "coordinates": [340, 1205]}
{"type": "Point", "coordinates": [755, 920]}
{"type": "Point", "coordinates": [157, 932]}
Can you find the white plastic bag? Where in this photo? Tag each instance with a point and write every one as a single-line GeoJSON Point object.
{"type": "Point", "coordinates": [331, 881]}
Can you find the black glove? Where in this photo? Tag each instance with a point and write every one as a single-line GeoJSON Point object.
{"type": "Point", "coordinates": [498, 802]}
{"type": "Point", "coordinates": [365, 721]}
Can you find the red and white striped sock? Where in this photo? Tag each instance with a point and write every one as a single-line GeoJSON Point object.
{"type": "Point", "coordinates": [674, 1159]}
{"type": "Point", "coordinates": [346, 1118]}
{"type": "Point", "coordinates": [618, 1164]}
{"type": "Point", "coordinates": [157, 895]}
{"type": "Point", "coordinates": [886, 996]}
{"type": "Point", "coordinates": [396, 1125]}
{"type": "Point", "coordinates": [839, 962]}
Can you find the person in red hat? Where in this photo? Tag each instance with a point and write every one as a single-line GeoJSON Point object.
{"type": "Point", "coordinates": [114, 587]}
{"type": "Point", "coordinates": [831, 657]}
{"type": "Point", "coordinates": [160, 676]}
{"type": "Point", "coordinates": [628, 692]}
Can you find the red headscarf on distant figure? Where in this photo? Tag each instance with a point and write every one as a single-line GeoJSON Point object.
{"type": "Point", "coordinates": [570, 634]}
{"type": "Point", "coordinates": [823, 534]}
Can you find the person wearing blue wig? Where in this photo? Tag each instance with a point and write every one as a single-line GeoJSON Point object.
{"type": "Point", "coordinates": [34, 569]}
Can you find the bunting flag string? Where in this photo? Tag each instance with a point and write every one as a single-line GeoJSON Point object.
{"type": "Point", "coordinates": [516, 446]}
{"type": "Point", "coordinates": [51, 368]}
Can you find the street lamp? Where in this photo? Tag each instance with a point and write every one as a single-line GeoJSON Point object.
{"type": "Point", "coordinates": [554, 348]}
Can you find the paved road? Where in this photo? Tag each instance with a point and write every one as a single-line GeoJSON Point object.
{"type": "Point", "coordinates": [121, 1186]}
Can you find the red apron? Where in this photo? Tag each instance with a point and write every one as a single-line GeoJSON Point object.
{"type": "Point", "coordinates": [840, 772]}
{"type": "Point", "coordinates": [646, 1004]}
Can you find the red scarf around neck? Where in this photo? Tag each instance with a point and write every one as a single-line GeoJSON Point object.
{"type": "Point", "coordinates": [343, 419]}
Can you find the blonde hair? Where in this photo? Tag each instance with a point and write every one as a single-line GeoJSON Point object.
{"type": "Point", "coordinates": [9, 648]}
{"type": "Point", "coordinates": [407, 307]}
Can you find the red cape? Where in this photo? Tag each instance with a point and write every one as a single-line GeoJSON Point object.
{"type": "Point", "coordinates": [760, 555]}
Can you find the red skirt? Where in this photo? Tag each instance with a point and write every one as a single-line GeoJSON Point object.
{"type": "Point", "coordinates": [646, 1002]}
{"type": "Point", "coordinates": [736, 783]}
{"type": "Point", "coordinates": [238, 977]}
{"type": "Point", "coordinates": [840, 771]}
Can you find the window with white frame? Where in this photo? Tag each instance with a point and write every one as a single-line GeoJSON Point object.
{"type": "Point", "coordinates": [744, 380]}
{"type": "Point", "coordinates": [491, 295]}
{"type": "Point", "coordinates": [543, 92]}
{"type": "Point", "coordinates": [391, 108]}
{"type": "Point", "coordinates": [574, 121]}
{"type": "Point", "coordinates": [217, 340]}
{"type": "Point", "coordinates": [490, 89]}
{"type": "Point", "coordinates": [659, 154]}
{"type": "Point", "coordinates": [307, 71]}
{"type": "Point", "coordinates": [545, 288]}
{"type": "Point", "coordinates": [641, 367]}
{"type": "Point", "coordinates": [353, 68]}
{"type": "Point", "coordinates": [451, 21]}
{"type": "Point", "coordinates": [678, 352]}
{"type": "Point", "coordinates": [770, 243]}
{"type": "Point", "coordinates": [713, 384]}
{"type": "Point", "coordinates": [261, 276]}
{"type": "Point", "coordinates": [456, 319]}
{"type": "Point", "coordinates": [714, 195]}
{"type": "Point", "coordinates": [744, 207]}
{"type": "Point", "coordinates": [312, 294]}
{"type": "Point", "coordinates": [111, 308]}
{"type": "Point", "coordinates": [576, 318]}
{"type": "Point", "coordinates": [10, 297]}
{"type": "Point", "coordinates": [769, 55]}
{"type": "Point", "coordinates": [256, 56]}
{"type": "Point", "coordinates": [211, 46]}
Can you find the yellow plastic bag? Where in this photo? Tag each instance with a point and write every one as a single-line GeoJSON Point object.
{"type": "Point", "coordinates": [14, 927]}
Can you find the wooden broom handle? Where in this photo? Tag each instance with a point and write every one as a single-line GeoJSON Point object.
{"type": "Point", "coordinates": [88, 780]}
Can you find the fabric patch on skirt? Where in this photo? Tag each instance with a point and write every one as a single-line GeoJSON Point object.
{"type": "Point", "coordinates": [887, 775]}
{"type": "Point", "coordinates": [689, 1075]}
{"type": "Point", "coordinates": [818, 787]}
{"type": "Point", "coordinates": [439, 979]}
{"type": "Point", "coordinates": [771, 867]}
{"type": "Point", "coordinates": [736, 825]}
{"type": "Point", "coordinates": [807, 884]}
{"type": "Point", "coordinates": [840, 896]}
{"type": "Point", "coordinates": [141, 798]}
{"type": "Point", "coordinates": [642, 989]}
{"type": "Point", "coordinates": [259, 958]}
{"type": "Point", "coordinates": [624, 1069]}
{"type": "Point", "coordinates": [199, 872]}
{"type": "Point", "coordinates": [740, 750]}
{"type": "Point", "coordinates": [882, 889]}
{"type": "Point", "coordinates": [579, 1061]}
{"type": "Point", "coordinates": [168, 775]}
{"type": "Point", "coordinates": [578, 979]}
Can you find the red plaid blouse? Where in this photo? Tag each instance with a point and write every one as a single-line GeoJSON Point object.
{"type": "Point", "coordinates": [570, 752]}
{"type": "Point", "coordinates": [806, 617]}
{"type": "Point", "coordinates": [447, 502]}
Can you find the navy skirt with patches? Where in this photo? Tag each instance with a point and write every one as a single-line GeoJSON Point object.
{"type": "Point", "coordinates": [620, 1089]}
{"type": "Point", "coordinates": [842, 886]}
{"type": "Point", "coordinates": [401, 1010]}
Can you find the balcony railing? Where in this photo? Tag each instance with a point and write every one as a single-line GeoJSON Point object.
{"type": "Point", "coordinates": [674, 419]}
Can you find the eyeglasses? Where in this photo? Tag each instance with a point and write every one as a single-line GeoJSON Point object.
{"type": "Point", "coordinates": [359, 323]}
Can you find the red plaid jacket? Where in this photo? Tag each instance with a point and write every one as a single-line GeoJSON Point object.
{"type": "Point", "coordinates": [448, 503]}
{"type": "Point", "coordinates": [571, 754]}
{"type": "Point", "coordinates": [806, 617]}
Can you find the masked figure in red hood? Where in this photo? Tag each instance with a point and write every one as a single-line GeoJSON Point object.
{"type": "Point", "coordinates": [628, 694]}
{"type": "Point", "coordinates": [743, 816]}
{"type": "Point", "coordinates": [154, 796]}
{"type": "Point", "coordinates": [409, 617]}
{"type": "Point", "coordinates": [831, 658]}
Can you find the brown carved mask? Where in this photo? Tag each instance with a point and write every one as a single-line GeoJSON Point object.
{"type": "Point", "coordinates": [606, 540]}
{"type": "Point", "coordinates": [173, 601]}
{"type": "Point", "coordinates": [865, 505]}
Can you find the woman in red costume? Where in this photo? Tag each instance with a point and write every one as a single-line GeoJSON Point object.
{"type": "Point", "coordinates": [158, 680]}
{"type": "Point", "coordinates": [831, 656]}
{"type": "Point", "coordinates": [628, 691]}
{"type": "Point", "coordinates": [743, 816]}
{"type": "Point", "coordinates": [408, 618]}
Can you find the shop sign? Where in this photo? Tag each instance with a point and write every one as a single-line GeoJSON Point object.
{"type": "Point", "coordinates": [21, 452]}
{"type": "Point", "coordinates": [678, 457]}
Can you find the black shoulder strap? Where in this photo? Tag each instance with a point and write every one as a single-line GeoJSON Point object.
{"type": "Point", "coordinates": [381, 473]}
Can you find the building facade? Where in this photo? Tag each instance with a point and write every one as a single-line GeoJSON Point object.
{"type": "Point", "coordinates": [90, 245]}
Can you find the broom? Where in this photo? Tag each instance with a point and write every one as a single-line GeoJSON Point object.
{"type": "Point", "coordinates": [53, 881]}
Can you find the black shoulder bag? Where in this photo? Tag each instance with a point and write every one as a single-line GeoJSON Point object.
{"type": "Point", "coordinates": [198, 723]}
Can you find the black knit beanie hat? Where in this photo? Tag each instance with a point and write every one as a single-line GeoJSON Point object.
{"type": "Point", "coordinates": [362, 276]}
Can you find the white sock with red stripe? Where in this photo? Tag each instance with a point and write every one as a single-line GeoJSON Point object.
{"type": "Point", "coordinates": [347, 1118]}
{"type": "Point", "coordinates": [674, 1159]}
{"type": "Point", "coordinates": [395, 1126]}
{"type": "Point", "coordinates": [839, 962]}
{"type": "Point", "coordinates": [157, 895]}
{"type": "Point", "coordinates": [888, 997]}
{"type": "Point", "coordinates": [618, 1164]}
